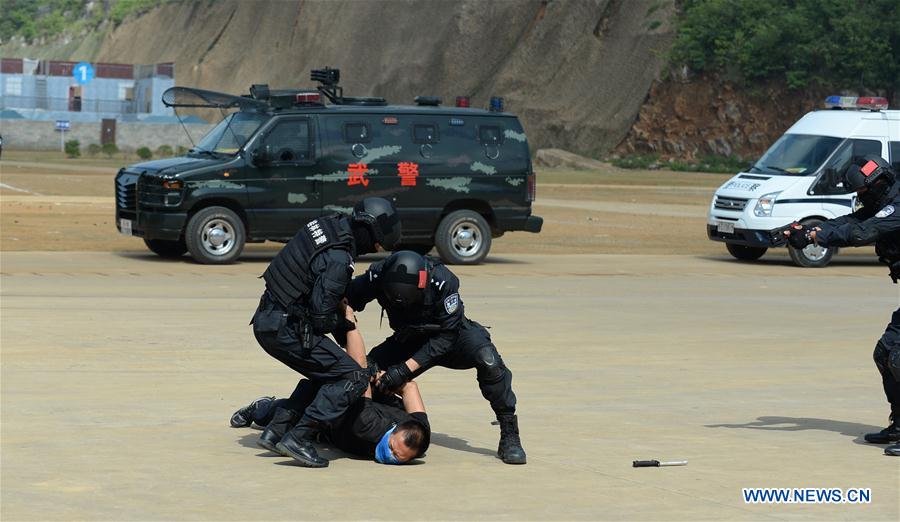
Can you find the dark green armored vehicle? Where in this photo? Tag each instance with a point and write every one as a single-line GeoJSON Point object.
{"type": "Point", "coordinates": [459, 176]}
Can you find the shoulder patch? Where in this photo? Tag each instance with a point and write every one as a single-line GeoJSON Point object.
{"type": "Point", "coordinates": [451, 303]}
{"type": "Point", "coordinates": [885, 212]}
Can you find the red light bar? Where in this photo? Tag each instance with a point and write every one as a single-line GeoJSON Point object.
{"type": "Point", "coordinates": [308, 97]}
{"type": "Point", "coordinates": [874, 103]}
{"type": "Point", "coordinates": [462, 101]}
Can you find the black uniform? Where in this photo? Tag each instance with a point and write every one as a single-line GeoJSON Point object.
{"type": "Point", "coordinates": [879, 224]}
{"type": "Point", "coordinates": [305, 283]}
{"type": "Point", "coordinates": [437, 334]}
{"type": "Point", "coordinates": [359, 430]}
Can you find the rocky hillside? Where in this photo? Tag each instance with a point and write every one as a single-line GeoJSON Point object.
{"type": "Point", "coordinates": [687, 119]}
{"type": "Point", "coordinates": [576, 71]}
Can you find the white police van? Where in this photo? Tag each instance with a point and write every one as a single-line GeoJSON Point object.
{"type": "Point", "coordinates": [798, 178]}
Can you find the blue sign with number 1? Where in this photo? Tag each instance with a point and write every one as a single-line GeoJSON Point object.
{"type": "Point", "coordinates": [83, 73]}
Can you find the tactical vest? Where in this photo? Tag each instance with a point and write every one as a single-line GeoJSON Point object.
{"type": "Point", "coordinates": [887, 247]}
{"type": "Point", "coordinates": [288, 277]}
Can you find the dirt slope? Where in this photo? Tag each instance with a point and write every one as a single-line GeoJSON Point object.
{"type": "Point", "coordinates": [576, 71]}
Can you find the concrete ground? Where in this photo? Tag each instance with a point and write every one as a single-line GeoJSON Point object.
{"type": "Point", "coordinates": [120, 371]}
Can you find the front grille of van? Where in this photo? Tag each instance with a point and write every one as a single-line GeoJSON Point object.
{"type": "Point", "coordinates": [732, 204]}
{"type": "Point", "coordinates": [126, 194]}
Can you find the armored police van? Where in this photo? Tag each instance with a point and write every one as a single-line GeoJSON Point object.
{"type": "Point", "coordinates": [459, 176]}
{"type": "Point", "coordinates": [799, 178]}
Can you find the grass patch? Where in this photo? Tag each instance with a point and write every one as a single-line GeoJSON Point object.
{"type": "Point", "coordinates": [708, 163]}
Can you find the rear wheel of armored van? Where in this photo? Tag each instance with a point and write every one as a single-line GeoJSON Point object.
{"type": "Point", "coordinates": [813, 256]}
{"type": "Point", "coordinates": [215, 236]}
{"type": "Point", "coordinates": [463, 238]}
{"type": "Point", "coordinates": [166, 248]}
{"type": "Point", "coordinates": [745, 253]}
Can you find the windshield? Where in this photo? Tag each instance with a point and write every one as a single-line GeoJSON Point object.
{"type": "Point", "coordinates": [796, 154]}
{"type": "Point", "coordinates": [223, 139]}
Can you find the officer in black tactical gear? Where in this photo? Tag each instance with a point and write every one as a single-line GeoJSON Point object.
{"type": "Point", "coordinates": [421, 298]}
{"type": "Point", "coordinates": [878, 221]}
{"type": "Point", "coordinates": [305, 284]}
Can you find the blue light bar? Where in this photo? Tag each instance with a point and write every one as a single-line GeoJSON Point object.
{"type": "Point", "coordinates": [496, 104]}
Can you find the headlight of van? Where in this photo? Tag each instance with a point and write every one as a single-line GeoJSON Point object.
{"type": "Point", "coordinates": [765, 204]}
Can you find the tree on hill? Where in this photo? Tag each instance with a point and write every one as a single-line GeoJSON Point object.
{"type": "Point", "coordinates": [844, 44]}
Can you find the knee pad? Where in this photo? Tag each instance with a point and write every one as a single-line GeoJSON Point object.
{"type": "Point", "coordinates": [489, 364]}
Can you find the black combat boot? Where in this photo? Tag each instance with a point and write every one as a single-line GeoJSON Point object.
{"type": "Point", "coordinates": [298, 444]}
{"type": "Point", "coordinates": [889, 435]}
{"type": "Point", "coordinates": [510, 448]}
{"type": "Point", "coordinates": [281, 422]}
{"type": "Point", "coordinates": [893, 451]}
{"type": "Point", "coordinates": [244, 416]}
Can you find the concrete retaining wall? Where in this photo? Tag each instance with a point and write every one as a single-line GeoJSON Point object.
{"type": "Point", "coordinates": [41, 135]}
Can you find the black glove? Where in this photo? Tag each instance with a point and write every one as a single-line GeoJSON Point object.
{"type": "Point", "coordinates": [372, 366]}
{"type": "Point", "coordinates": [799, 237]}
{"type": "Point", "coordinates": [344, 325]}
{"type": "Point", "coordinates": [394, 377]}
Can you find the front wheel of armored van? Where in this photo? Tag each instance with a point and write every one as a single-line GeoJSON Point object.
{"type": "Point", "coordinates": [215, 236]}
{"type": "Point", "coordinates": [812, 256]}
{"type": "Point", "coordinates": [166, 248]}
{"type": "Point", "coordinates": [463, 238]}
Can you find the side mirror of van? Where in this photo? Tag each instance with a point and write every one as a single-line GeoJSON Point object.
{"type": "Point", "coordinates": [259, 155]}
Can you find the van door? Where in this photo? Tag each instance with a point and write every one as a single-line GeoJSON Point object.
{"type": "Point", "coordinates": [360, 155]}
{"type": "Point", "coordinates": [835, 200]}
{"type": "Point", "coordinates": [283, 190]}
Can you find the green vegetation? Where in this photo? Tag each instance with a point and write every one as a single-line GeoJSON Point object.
{"type": "Point", "coordinates": [164, 151]}
{"type": "Point", "coordinates": [144, 153]}
{"type": "Point", "coordinates": [73, 149]}
{"type": "Point", "coordinates": [109, 149]}
{"type": "Point", "coordinates": [35, 19]}
{"type": "Point", "coordinates": [844, 44]}
{"type": "Point", "coordinates": [93, 149]}
{"type": "Point", "coordinates": [709, 163]}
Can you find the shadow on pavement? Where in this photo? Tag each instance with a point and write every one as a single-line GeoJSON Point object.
{"type": "Point", "coordinates": [260, 256]}
{"type": "Point", "coordinates": [771, 423]}
{"type": "Point", "coordinates": [455, 443]}
{"type": "Point", "coordinates": [329, 452]}
{"type": "Point", "coordinates": [839, 260]}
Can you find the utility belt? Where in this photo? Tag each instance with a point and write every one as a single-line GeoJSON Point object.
{"type": "Point", "coordinates": [272, 316]}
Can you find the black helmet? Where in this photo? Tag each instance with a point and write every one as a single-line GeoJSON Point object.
{"type": "Point", "coordinates": [382, 219]}
{"type": "Point", "coordinates": [404, 277]}
{"type": "Point", "coordinates": [864, 172]}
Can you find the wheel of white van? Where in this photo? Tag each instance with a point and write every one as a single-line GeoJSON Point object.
{"type": "Point", "coordinates": [745, 253]}
{"type": "Point", "coordinates": [813, 256]}
{"type": "Point", "coordinates": [463, 238]}
{"type": "Point", "coordinates": [215, 236]}
{"type": "Point", "coordinates": [165, 248]}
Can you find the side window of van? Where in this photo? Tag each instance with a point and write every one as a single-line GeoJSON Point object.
{"type": "Point", "coordinates": [425, 133]}
{"type": "Point", "coordinates": [491, 138]}
{"type": "Point", "coordinates": [357, 132]}
{"type": "Point", "coordinates": [894, 147]}
{"type": "Point", "coordinates": [830, 181]}
{"type": "Point", "coordinates": [490, 135]}
{"type": "Point", "coordinates": [288, 141]}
